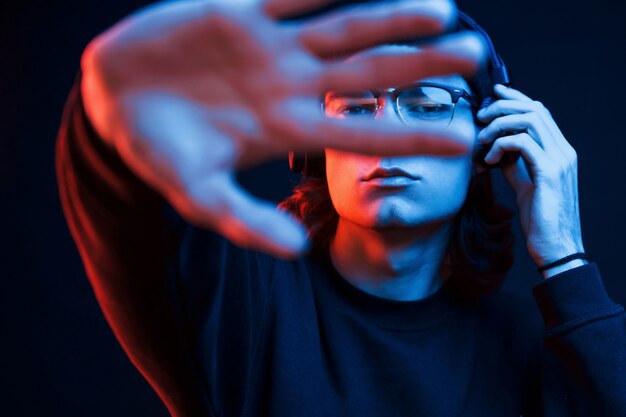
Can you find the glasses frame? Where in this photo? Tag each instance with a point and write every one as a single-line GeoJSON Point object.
{"type": "Point", "coordinates": [455, 93]}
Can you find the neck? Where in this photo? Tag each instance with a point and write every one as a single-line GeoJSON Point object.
{"type": "Point", "coordinates": [403, 264]}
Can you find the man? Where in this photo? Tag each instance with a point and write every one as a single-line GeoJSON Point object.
{"type": "Point", "coordinates": [177, 97]}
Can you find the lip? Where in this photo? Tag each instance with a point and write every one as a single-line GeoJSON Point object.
{"type": "Point", "coordinates": [380, 172]}
{"type": "Point", "coordinates": [391, 182]}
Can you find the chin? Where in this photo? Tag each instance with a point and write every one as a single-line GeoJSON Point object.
{"type": "Point", "coordinates": [397, 215]}
{"type": "Point", "coordinates": [395, 220]}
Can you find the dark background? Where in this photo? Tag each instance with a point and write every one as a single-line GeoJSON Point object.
{"type": "Point", "coordinates": [59, 358]}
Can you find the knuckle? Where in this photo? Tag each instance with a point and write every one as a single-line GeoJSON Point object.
{"type": "Point", "coordinates": [519, 140]}
{"type": "Point", "coordinates": [498, 125]}
{"type": "Point", "coordinates": [502, 142]}
{"type": "Point", "coordinates": [572, 157]}
{"type": "Point", "coordinates": [538, 104]}
{"type": "Point", "coordinates": [533, 117]}
{"type": "Point", "coordinates": [552, 170]}
{"type": "Point", "coordinates": [522, 138]}
{"type": "Point", "coordinates": [527, 137]}
{"type": "Point", "coordinates": [563, 171]}
{"type": "Point", "coordinates": [495, 107]}
{"type": "Point", "coordinates": [494, 125]}
{"type": "Point", "coordinates": [516, 140]}
{"type": "Point", "coordinates": [495, 148]}
{"type": "Point", "coordinates": [541, 108]}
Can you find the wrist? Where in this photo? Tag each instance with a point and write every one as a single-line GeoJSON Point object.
{"type": "Point", "coordinates": [574, 263]}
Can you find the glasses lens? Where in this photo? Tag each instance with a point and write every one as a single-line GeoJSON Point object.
{"type": "Point", "coordinates": [425, 104]}
{"type": "Point", "coordinates": [349, 104]}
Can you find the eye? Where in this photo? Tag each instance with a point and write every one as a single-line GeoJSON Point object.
{"type": "Point", "coordinates": [427, 110]}
{"type": "Point", "coordinates": [341, 107]}
{"type": "Point", "coordinates": [356, 109]}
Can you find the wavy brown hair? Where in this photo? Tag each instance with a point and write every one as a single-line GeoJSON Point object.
{"type": "Point", "coordinates": [480, 248]}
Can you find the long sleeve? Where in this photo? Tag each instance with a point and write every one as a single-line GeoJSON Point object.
{"type": "Point", "coordinates": [583, 360]}
{"type": "Point", "coordinates": [127, 238]}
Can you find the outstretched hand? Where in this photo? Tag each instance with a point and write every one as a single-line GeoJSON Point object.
{"type": "Point", "coordinates": [188, 92]}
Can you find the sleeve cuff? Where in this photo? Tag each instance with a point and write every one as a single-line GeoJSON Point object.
{"type": "Point", "coordinates": [573, 297]}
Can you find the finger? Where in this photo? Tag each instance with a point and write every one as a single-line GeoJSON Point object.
{"type": "Point", "coordinates": [220, 204]}
{"type": "Point", "coordinates": [556, 134]}
{"type": "Point", "coordinates": [504, 107]}
{"type": "Point", "coordinates": [456, 54]}
{"type": "Point", "coordinates": [361, 27]}
{"type": "Point", "coordinates": [532, 153]}
{"type": "Point", "coordinates": [530, 123]}
{"type": "Point", "coordinates": [518, 174]}
{"type": "Point", "coordinates": [286, 8]}
{"type": "Point", "coordinates": [379, 139]}
{"type": "Point", "coordinates": [505, 92]}
{"type": "Point", "coordinates": [305, 128]}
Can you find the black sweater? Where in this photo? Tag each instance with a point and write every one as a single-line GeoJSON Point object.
{"type": "Point", "coordinates": [223, 331]}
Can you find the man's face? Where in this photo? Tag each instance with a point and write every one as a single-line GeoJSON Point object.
{"type": "Point", "coordinates": [430, 188]}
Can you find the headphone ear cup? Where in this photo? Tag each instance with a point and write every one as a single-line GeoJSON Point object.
{"type": "Point", "coordinates": [297, 162]}
{"type": "Point", "coordinates": [308, 164]}
{"type": "Point", "coordinates": [486, 102]}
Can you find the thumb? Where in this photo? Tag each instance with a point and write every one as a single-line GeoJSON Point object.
{"type": "Point", "coordinates": [220, 204]}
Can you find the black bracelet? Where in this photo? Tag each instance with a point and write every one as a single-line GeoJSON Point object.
{"type": "Point", "coordinates": [578, 255]}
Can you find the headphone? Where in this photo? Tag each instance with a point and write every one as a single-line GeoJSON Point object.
{"type": "Point", "coordinates": [313, 164]}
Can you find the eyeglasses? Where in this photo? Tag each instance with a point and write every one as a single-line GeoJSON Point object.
{"type": "Point", "coordinates": [415, 103]}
